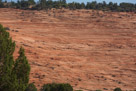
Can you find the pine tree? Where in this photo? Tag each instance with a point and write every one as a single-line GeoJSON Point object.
{"type": "Point", "coordinates": [7, 48]}
{"type": "Point", "coordinates": [22, 70]}
{"type": "Point", "coordinates": [64, 1]}
{"type": "Point", "coordinates": [82, 5]}
{"type": "Point", "coordinates": [1, 4]}
{"type": "Point", "coordinates": [31, 87]}
{"type": "Point", "coordinates": [13, 76]}
{"type": "Point", "coordinates": [31, 2]}
{"type": "Point", "coordinates": [43, 4]}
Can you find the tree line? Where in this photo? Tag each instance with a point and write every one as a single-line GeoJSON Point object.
{"type": "Point", "coordinates": [48, 4]}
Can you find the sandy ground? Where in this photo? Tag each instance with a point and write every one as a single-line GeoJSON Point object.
{"type": "Point", "coordinates": [89, 49]}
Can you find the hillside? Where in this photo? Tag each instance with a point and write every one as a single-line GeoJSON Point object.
{"type": "Point", "coordinates": [89, 49]}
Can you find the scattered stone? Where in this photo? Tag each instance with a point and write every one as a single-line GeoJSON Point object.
{"type": "Point", "coordinates": [52, 68]}
{"type": "Point", "coordinates": [79, 79]}
{"type": "Point", "coordinates": [15, 30]}
{"type": "Point", "coordinates": [119, 82]}
{"type": "Point", "coordinates": [113, 75]}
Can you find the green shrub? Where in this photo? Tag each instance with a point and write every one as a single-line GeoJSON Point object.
{"type": "Point", "coordinates": [57, 87]}
{"type": "Point", "coordinates": [117, 89]}
{"type": "Point", "coordinates": [31, 87]}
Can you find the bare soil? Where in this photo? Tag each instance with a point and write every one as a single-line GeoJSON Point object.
{"type": "Point", "coordinates": [89, 49]}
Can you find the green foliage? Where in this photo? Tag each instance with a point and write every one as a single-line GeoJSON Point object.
{"type": "Point", "coordinates": [1, 4]}
{"type": "Point", "coordinates": [98, 90]}
{"type": "Point", "coordinates": [48, 4]}
{"type": "Point", "coordinates": [117, 89]}
{"type": "Point", "coordinates": [7, 48]}
{"type": "Point", "coordinates": [128, 7]}
{"type": "Point", "coordinates": [31, 87]}
{"type": "Point", "coordinates": [22, 70]}
{"type": "Point", "coordinates": [31, 2]}
{"type": "Point", "coordinates": [43, 4]}
{"type": "Point", "coordinates": [57, 87]}
{"type": "Point", "coordinates": [13, 76]}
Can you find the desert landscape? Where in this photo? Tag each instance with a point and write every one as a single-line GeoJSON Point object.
{"type": "Point", "coordinates": [89, 49]}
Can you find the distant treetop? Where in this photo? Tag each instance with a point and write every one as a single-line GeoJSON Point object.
{"type": "Point", "coordinates": [58, 4]}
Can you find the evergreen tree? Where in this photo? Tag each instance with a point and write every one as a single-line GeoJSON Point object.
{"type": "Point", "coordinates": [31, 87]}
{"type": "Point", "coordinates": [93, 5]}
{"type": "Point", "coordinates": [13, 76]}
{"type": "Point", "coordinates": [31, 2]}
{"type": "Point", "coordinates": [104, 5]}
{"type": "Point", "coordinates": [110, 6]}
{"type": "Point", "coordinates": [1, 4]}
{"type": "Point", "coordinates": [49, 4]}
{"type": "Point", "coordinates": [64, 1]}
{"type": "Point", "coordinates": [24, 4]}
{"type": "Point", "coordinates": [22, 70]}
{"type": "Point", "coordinates": [18, 4]}
{"type": "Point", "coordinates": [7, 48]}
{"type": "Point", "coordinates": [43, 4]}
{"type": "Point", "coordinates": [88, 5]}
{"type": "Point", "coordinates": [72, 6]}
{"type": "Point", "coordinates": [82, 5]}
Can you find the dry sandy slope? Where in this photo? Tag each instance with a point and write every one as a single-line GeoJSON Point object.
{"type": "Point", "coordinates": [88, 49]}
